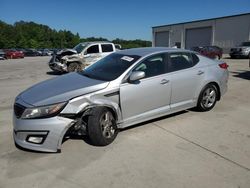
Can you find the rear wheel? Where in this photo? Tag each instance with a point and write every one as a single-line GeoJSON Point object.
{"type": "Point", "coordinates": [74, 67]}
{"type": "Point", "coordinates": [102, 129]}
{"type": "Point", "coordinates": [207, 98]}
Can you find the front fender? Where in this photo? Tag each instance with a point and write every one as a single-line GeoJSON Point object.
{"type": "Point", "coordinates": [83, 103]}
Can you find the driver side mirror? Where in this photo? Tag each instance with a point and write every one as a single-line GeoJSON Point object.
{"type": "Point", "coordinates": [137, 75]}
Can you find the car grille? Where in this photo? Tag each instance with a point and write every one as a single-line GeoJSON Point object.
{"type": "Point", "coordinates": [18, 110]}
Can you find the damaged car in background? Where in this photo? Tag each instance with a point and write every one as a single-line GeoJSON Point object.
{"type": "Point", "coordinates": [122, 89]}
{"type": "Point", "coordinates": [81, 56]}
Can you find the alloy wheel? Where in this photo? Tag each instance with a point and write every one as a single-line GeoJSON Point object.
{"type": "Point", "coordinates": [209, 97]}
{"type": "Point", "coordinates": [107, 125]}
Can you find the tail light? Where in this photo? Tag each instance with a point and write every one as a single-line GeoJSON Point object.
{"type": "Point", "coordinates": [223, 65]}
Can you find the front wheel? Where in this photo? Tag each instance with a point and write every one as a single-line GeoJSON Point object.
{"type": "Point", "coordinates": [207, 98]}
{"type": "Point", "coordinates": [102, 128]}
{"type": "Point", "coordinates": [74, 67]}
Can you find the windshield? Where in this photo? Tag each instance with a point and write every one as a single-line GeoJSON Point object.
{"type": "Point", "coordinates": [110, 67]}
{"type": "Point", "coordinates": [245, 44]}
{"type": "Point", "coordinates": [79, 48]}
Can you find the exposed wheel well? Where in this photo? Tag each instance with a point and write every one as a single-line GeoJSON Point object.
{"type": "Point", "coordinates": [89, 111]}
{"type": "Point", "coordinates": [111, 110]}
{"type": "Point", "coordinates": [74, 62]}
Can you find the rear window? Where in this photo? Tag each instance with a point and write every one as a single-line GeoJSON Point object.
{"type": "Point", "coordinates": [107, 48]}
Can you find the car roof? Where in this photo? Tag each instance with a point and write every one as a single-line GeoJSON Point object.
{"type": "Point", "coordinates": [97, 42]}
{"type": "Point", "coordinates": [149, 50]}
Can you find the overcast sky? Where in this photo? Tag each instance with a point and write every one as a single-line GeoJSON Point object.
{"type": "Point", "coordinates": [127, 19]}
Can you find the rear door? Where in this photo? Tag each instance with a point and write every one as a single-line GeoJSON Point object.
{"type": "Point", "coordinates": [186, 78]}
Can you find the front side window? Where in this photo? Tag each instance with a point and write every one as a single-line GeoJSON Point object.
{"type": "Point", "coordinates": [153, 66]}
{"type": "Point", "coordinates": [107, 48]}
{"type": "Point", "coordinates": [79, 48]}
{"type": "Point", "coordinates": [179, 61]}
{"type": "Point", "coordinates": [93, 49]}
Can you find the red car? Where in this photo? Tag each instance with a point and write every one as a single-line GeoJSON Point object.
{"type": "Point", "coordinates": [213, 52]}
{"type": "Point", "coordinates": [13, 54]}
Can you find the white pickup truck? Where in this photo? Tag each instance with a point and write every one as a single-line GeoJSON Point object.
{"type": "Point", "coordinates": [81, 56]}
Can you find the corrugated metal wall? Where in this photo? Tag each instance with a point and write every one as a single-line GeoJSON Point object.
{"type": "Point", "coordinates": [198, 37]}
{"type": "Point", "coordinates": [225, 32]}
{"type": "Point", "coordinates": [162, 39]}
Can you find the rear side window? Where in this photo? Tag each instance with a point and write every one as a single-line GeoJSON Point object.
{"type": "Point", "coordinates": [179, 61]}
{"type": "Point", "coordinates": [107, 48]}
{"type": "Point", "coordinates": [195, 59]}
{"type": "Point", "coordinates": [93, 49]}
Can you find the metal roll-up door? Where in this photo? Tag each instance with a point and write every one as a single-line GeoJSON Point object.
{"type": "Point", "coordinates": [162, 39]}
{"type": "Point", "coordinates": [198, 37]}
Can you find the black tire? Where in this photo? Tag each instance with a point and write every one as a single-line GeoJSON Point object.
{"type": "Point", "coordinates": [102, 128]}
{"type": "Point", "coordinates": [207, 98]}
{"type": "Point", "coordinates": [74, 67]}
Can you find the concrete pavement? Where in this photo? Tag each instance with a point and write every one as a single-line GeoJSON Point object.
{"type": "Point", "coordinates": [187, 149]}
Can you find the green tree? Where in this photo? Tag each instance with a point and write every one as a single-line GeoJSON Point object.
{"type": "Point", "coordinates": [32, 35]}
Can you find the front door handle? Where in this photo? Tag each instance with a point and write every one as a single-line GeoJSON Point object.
{"type": "Point", "coordinates": [164, 81]}
{"type": "Point", "coordinates": [200, 72]}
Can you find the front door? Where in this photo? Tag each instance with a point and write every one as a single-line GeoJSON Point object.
{"type": "Point", "coordinates": [150, 95]}
{"type": "Point", "coordinates": [92, 55]}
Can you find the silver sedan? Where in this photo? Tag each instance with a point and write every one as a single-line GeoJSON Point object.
{"type": "Point", "coordinates": [123, 89]}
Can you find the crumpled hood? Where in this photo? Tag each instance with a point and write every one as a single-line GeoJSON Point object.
{"type": "Point", "coordinates": [66, 51]}
{"type": "Point", "coordinates": [60, 89]}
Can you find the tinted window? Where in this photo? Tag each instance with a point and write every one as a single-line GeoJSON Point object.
{"type": "Point", "coordinates": [153, 66]}
{"type": "Point", "coordinates": [245, 44]}
{"type": "Point", "coordinates": [110, 67]}
{"type": "Point", "coordinates": [195, 59]}
{"type": "Point", "coordinates": [179, 61]}
{"type": "Point", "coordinates": [107, 48]}
{"type": "Point", "coordinates": [93, 49]}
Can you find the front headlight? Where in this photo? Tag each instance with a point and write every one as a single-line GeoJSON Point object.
{"type": "Point", "coordinates": [43, 111]}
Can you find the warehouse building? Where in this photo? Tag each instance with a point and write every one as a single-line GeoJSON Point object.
{"type": "Point", "coordinates": [225, 32]}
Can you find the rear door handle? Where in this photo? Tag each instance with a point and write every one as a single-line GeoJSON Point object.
{"type": "Point", "coordinates": [200, 72]}
{"type": "Point", "coordinates": [164, 81]}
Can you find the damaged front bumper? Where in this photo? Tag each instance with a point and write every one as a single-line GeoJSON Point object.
{"type": "Point", "coordinates": [41, 134]}
{"type": "Point", "coordinates": [56, 65]}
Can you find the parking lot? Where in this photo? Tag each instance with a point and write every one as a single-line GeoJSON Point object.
{"type": "Point", "coordinates": [188, 149]}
